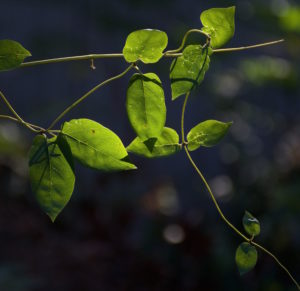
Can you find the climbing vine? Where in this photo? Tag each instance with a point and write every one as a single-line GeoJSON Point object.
{"type": "Point", "coordinates": [54, 151]}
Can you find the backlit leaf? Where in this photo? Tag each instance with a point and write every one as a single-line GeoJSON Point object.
{"type": "Point", "coordinates": [207, 133]}
{"type": "Point", "coordinates": [12, 54]}
{"type": "Point", "coordinates": [51, 174]}
{"type": "Point", "coordinates": [146, 45]}
{"type": "Point", "coordinates": [166, 144]}
{"type": "Point", "coordinates": [96, 146]}
{"type": "Point", "coordinates": [219, 23]}
{"type": "Point", "coordinates": [188, 70]}
{"type": "Point", "coordinates": [145, 105]}
{"type": "Point", "coordinates": [251, 224]}
{"type": "Point", "coordinates": [245, 257]}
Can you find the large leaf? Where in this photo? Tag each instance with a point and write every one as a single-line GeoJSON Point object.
{"type": "Point", "coordinates": [12, 54]}
{"type": "Point", "coordinates": [96, 146]}
{"type": "Point", "coordinates": [207, 133]}
{"type": "Point", "coordinates": [188, 70]}
{"type": "Point", "coordinates": [146, 45]}
{"type": "Point", "coordinates": [166, 144]}
{"type": "Point", "coordinates": [251, 224]}
{"type": "Point", "coordinates": [51, 173]}
{"type": "Point", "coordinates": [219, 23]}
{"type": "Point", "coordinates": [145, 105]}
{"type": "Point", "coordinates": [245, 257]}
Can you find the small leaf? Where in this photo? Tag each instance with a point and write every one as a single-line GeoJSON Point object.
{"type": "Point", "coordinates": [188, 70]}
{"type": "Point", "coordinates": [245, 257]}
{"type": "Point", "coordinates": [96, 146]}
{"type": "Point", "coordinates": [166, 144]}
{"type": "Point", "coordinates": [219, 23]}
{"type": "Point", "coordinates": [51, 174]}
{"type": "Point", "coordinates": [12, 54]}
{"type": "Point", "coordinates": [146, 45]}
{"type": "Point", "coordinates": [207, 133]}
{"type": "Point", "coordinates": [251, 224]}
{"type": "Point", "coordinates": [145, 105]}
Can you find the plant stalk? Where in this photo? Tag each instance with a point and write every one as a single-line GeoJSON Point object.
{"type": "Point", "coordinates": [249, 240]}
{"type": "Point", "coordinates": [69, 108]}
{"type": "Point", "coordinates": [171, 53]}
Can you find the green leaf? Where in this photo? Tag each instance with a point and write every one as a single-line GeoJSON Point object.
{"type": "Point", "coordinates": [219, 23]}
{"type": "Point", "coordinates": [145, 105]}
{"type": "Point", "coordinates": [51, 173]}
{"type": "Point", "coordinates": [96, 146]}
{"type": "Point", "coordinates": [188, 70]}
{"type": "Point", "coordinates": [251, 224]}
{"type": "Point", "coordinates": [166, 144]}
{"type": "Point", "coordinates": [146, 45]}
{"type": "Point", "coordinates": [12, 54]}
{"type": "Point", "coordinates": [245, 257]}
{"type": "Point", "coordinates": [207, 133]}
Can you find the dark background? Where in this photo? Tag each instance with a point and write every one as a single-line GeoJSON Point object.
{"type": "Point", "coordinates": [155, 228]}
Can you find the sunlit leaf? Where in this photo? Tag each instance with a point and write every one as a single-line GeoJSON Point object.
{"type": "Point", "coordinates": [166, 144]}
{"type": "Point", "coordinates": [51, 174]}
{"type": "Point", "coordinates": [145, 105]}
{"type": "Point", "coordinates": [245, 257]}
{"type": "Point", "coordinates": [146, 45]}
{"type": "Point", "coordinates": [96, 146]}
{"type": "Point", "coordinates": [188, 70]}
{"type": "Point", "coordinates": [207, 133]}
{"type": "Point", "coordinates": [219, 23]}
{"type": "Point", "coordinates": [12, 54]}
{"type": "Point", "coordinates": [251, 224]}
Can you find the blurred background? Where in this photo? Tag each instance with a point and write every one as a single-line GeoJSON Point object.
{"type": "Point", "coordinates": [155, 228]}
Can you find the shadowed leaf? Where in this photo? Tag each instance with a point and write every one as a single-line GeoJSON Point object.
{"type": "Point", "coordinates": [12, 54]}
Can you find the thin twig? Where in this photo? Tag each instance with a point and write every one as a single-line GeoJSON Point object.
{"type": "Point", "coordinates": [87, 95]}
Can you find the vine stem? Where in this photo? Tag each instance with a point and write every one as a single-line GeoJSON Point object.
{"type": "Point", "coordinates": [171, 53]}
{"type": "Point", "coordinates": [18, 117]}
{"type": "Point", "coordinates": [249, 240]}
{"type": "Point", "coordinates": [88, 94]}
{"type": "Point", "coordinates": [40, 129]}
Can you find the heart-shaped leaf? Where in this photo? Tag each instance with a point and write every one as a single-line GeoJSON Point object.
{"type": "Point", "coordinates": [245, 257]}
{"type": "Point", "coordinates": [251, 224]}
{"type": "Point", "coordinates": [166, 144]}
{"type": "Point", "coordinates": [51, 173]}
{"type": "Point", "coordinates": [146, 45]}
{"type": "Point", "coordinates": [219, 24]}
{"type": "Point", "coordinates": [188, 70]}
{"type": "Point", "coordinates": [207, 133]}
{"type": "Point", "coordinates": [96, 146]}
{"type": "Point", "coordinates": [12, 54]}
{"type": "Point", "coordinates": [145, 105]}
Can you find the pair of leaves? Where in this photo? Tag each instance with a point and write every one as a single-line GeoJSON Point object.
{"type": "Point", "coordinates": [51, 160]}
{"type": "Point", "coordinates": [12, 54]}
{"type": "Point", "coordinates": [147, 45]}
{"type": "Point", "coordinates": [146, 109]}
{"type": "Point", "coordinates": [246, 254]}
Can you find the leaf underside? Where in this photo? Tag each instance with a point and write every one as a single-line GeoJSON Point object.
{"type": "Point", "coordinates": [51, 174]}
{"type": "Point", "coordinates": [245, 257]}
{"type": "Point", "coordinates": [12, 54]}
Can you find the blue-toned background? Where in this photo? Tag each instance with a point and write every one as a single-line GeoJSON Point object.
{"type": "Point", "coordinates": [155, 228]}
